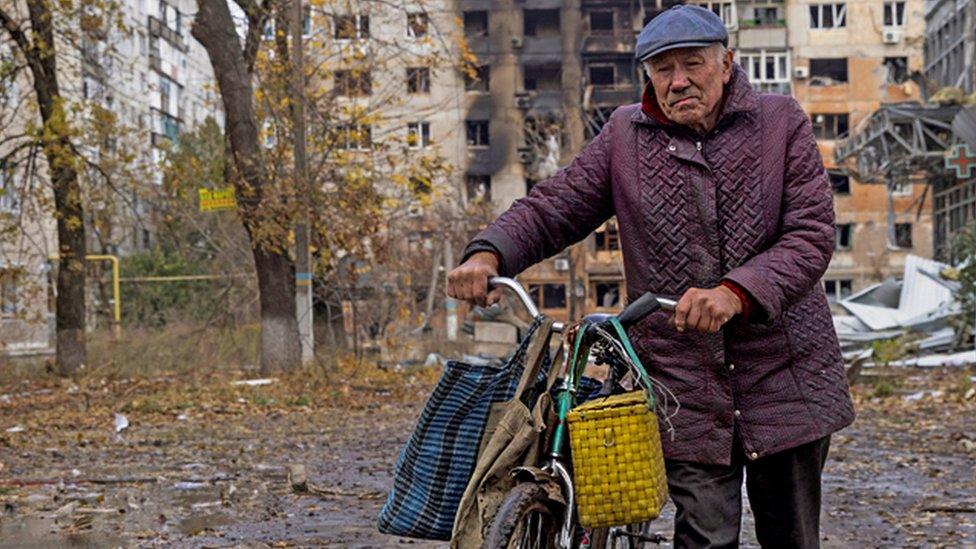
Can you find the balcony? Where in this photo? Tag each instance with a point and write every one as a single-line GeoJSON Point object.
{"type": "Point", "coordinates": [609, 43]}
{"type": "Point", "coordinates": [613, 96]}
{"type": "Point", "coordinates": [158, 28]}
{"type": "Point", "coordinates": [765, 36]}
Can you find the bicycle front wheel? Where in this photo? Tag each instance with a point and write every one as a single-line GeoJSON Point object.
{"type": "Point", "coordinates": [526, 519]}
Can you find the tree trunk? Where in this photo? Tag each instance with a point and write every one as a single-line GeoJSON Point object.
{"type": "Point", "coordinates": [280, 346]}
{"type": "Point", "coordinates": [214, 28]}
{"type": "Point", "coordinates": [62, 160]}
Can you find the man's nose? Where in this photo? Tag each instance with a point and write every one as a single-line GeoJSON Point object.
{"type": "Point", "coordinates": [679, 81]}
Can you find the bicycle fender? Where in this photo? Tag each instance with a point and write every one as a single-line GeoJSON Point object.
{"type": "Point", "coordinates": [535, 475]}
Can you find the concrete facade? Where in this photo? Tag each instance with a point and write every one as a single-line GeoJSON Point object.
{"type": "Point", "coordinates": [841, 74]}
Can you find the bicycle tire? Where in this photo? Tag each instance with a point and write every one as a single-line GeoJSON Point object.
{"type": "Point", "coordinates": [525, 503]}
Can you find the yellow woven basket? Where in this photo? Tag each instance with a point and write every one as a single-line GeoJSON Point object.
{"type": "Point", "coordinates": [618, 466]}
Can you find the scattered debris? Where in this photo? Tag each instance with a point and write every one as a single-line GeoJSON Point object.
{"type": "Point", "coordinates": [16, 429]}
{"type": "Point", "coordinates": [255, 382]}
{"type": "Point", "coordinates": [187, 485]}
{"type": "Point", "coordinates": [121, 423]}
{"type": "Point", "coordinates": [908, 317]}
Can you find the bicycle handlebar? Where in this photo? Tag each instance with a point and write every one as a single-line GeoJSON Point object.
{"type": "Point", "coordinates": [638, 309]}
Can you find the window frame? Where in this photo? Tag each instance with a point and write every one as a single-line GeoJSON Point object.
{"type": "Point", "coordinates": [420, 76]}
{"type": "Point", "coordinates": [421, 128]}
{"type": "Point", "coordinates": [411, 30]}
{"type": "Point", "coordinates": [346, 143]}
{"type": "Point", "coordinates": [838, 293]}
{"type": "Point", "coordinates": [838, 13]}
{"type": "Point", "coordinates": [613, 71]}
{"type": "Point", "coordinates": [890, 13]}
{"type": "Point", "coordinates": [361, 29]}
{"type": "Point", "coordinates": [838, 233]}
{"type": "Point", "coordinates": [486, 133]}
{"type": "Point", "coordinates": [753, 60]}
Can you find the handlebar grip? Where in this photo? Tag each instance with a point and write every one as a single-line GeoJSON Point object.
{"type": "Point", "coordinates": [638, 309]}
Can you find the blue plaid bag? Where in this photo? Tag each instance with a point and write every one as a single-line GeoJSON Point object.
{"type": "Point", "coordinates": [437, 461]}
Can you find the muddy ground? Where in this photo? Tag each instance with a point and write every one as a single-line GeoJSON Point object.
{"type": "Point", "coordinates": [205, 464]}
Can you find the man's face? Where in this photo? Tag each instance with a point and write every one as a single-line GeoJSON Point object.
{"type": "Point", "coordinates": [688, 83]}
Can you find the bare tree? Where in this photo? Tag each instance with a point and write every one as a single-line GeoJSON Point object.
{"type": "Point", "coordinates": [233, 66]}
{"type": "Point", "coordinates": [33, 39]}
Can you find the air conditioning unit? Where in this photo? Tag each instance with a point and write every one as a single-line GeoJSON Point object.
{"type": "Point", "coordinates": [891, 36]}
{"type": "Point", "coordinates": [523, 101]}
{"type": "Point", "coordinates": [560, 264]}
{"type": "Point", "coordinates": [801, 72]}
{"type": "Point", "coordinates": [516, 42]}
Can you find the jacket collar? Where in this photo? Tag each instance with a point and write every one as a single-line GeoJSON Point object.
{"type": "Point", "coordinates": [738, 96]}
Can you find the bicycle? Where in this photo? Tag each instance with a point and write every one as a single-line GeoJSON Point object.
{"type": "Point", "coordinates": [529, 516]}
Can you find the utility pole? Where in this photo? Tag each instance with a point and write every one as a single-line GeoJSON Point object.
{"type": "Point", "coordinates": [303, 271]}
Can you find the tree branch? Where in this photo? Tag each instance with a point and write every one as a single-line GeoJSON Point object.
{"type": "Point", "coordinates": [257, 15]}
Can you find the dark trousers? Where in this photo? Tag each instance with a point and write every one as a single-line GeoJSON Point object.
{"type": "Point", "coordinates": [784, 494]}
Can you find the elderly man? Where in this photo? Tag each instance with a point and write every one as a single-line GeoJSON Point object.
{"type": "Point", "coordinates": [722, 203]}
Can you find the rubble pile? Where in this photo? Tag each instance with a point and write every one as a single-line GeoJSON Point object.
{"type": "Point", "coordinates": [911, 319]}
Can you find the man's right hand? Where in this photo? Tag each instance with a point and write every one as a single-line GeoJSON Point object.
{"type": "Point", "coordinates": [469, 281]}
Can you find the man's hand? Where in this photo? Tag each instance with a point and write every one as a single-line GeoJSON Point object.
{"type": "Point", "coordinates": [469, 281]}
{"type": "Point", "coordinates": [706, 310]}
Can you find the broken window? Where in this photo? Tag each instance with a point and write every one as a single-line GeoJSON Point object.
{"type": "Point", "coordinates": [477, 133]}
{"type": "Point", "coordinates": [903, 235]}
{"type": "Point", "coordinates": [551, 296]}
{"type": "Point", "coordinates": [840, 182]}
{"type": "Point", "coordinates": [608, 239]}
{"type": "Point", "coordinates": [475, 23]}
{"type": "Point", "coordinates": [894, 14]}
{"type": "Point", "coordinates": [602, 75]}
{"type": "Point", "coordinates": [829, 125]}
{"type": "Point", "coordinates": [417, 25]}
{"type": "Point", "coordinates": [838, 289]}
{"type": "Point", "coordinates": [828, 16]}
{"type": "Point", "coordinates": [843, 235]}
{"type": "Point", "coordinates": [896, 69]}
{"type": "Point", "coordinates": [606, 294]}
{"type": "Point", "coordinates": [348, 27]}
{"type": "Point", "coordinates": [828, 71]}
{"type": "Point", "coordinates": [418, 79]}
{"type": "Point", "coordinates": [353, 83]}
{"type": "Point", "coordinates": [479, 80]}
{"type": "Point", "coordinates": [418, 135]}
{"type": "Point", "coordinates": [478, 188]}
{"type": "Point", "coordinates": [601, 22]}
{"type": "Point", "coordinates": [542, 78]}
{"type": "Point", "coordinates": [541, 23]}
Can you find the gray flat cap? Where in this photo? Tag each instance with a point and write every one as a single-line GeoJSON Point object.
{"type": "Point", "coordinates": [683, 26]}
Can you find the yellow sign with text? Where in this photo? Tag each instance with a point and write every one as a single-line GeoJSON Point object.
{"type": "Point", "coordinates": [212, 200]}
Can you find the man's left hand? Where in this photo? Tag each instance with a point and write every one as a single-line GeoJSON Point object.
{"type": "Point", "coordinates": [706, 310]}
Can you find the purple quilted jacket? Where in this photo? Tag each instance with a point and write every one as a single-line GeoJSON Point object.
{"type": "Point", "coordinates": [749, 202]}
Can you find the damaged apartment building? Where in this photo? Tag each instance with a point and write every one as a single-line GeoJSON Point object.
{"type": "Point", "coordinates": [552, 72]}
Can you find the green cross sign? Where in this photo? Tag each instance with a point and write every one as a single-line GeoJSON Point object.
{"type": "Point", "coordinates": [961, 159]}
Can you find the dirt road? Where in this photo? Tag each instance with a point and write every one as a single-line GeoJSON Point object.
{"type": "Point", "coordinates": [208, 467]}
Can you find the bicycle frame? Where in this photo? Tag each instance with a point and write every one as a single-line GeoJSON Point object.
{"type": "Point", "coordinates": [566, 399]}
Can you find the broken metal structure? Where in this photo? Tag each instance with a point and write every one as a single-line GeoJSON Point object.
{"type": "Point", "coordinates": [905, 140]}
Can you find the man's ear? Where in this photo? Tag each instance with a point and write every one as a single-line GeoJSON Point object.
{"type": "Point", "coordinates": [727, 59]}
